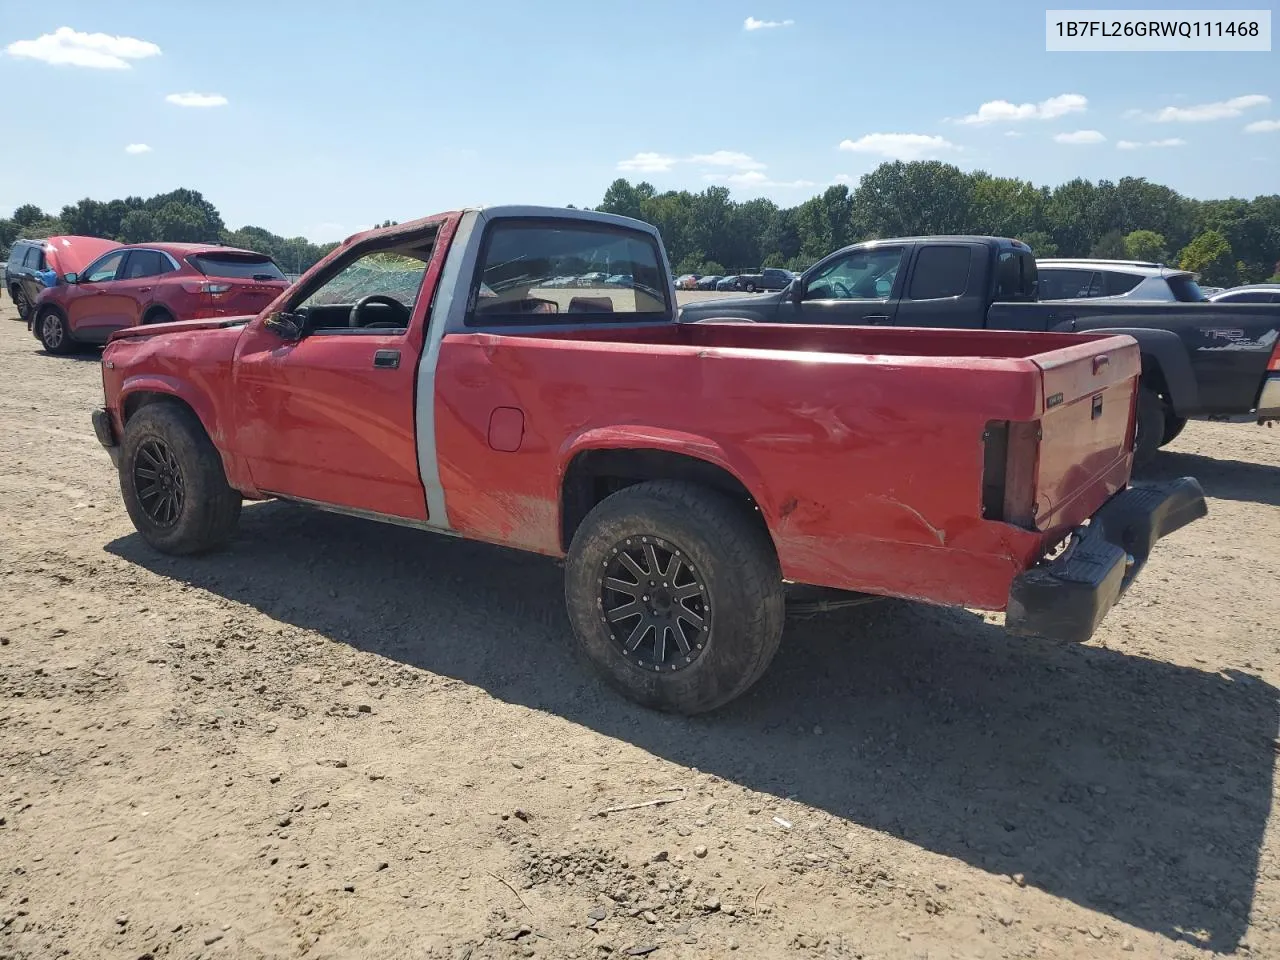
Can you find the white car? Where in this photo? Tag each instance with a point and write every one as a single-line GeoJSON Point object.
{"type": "Point", "coordinates": [1086, 279]}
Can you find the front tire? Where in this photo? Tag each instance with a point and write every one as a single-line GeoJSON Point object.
{"type": "Point", "coordinates": [173, 484]}
{"type": "Point", "coordinates": [751, 288]}
{"type": "Point", "coordinates": [54, 335]}
{"type": "Point", "coordinates": [675, 595]}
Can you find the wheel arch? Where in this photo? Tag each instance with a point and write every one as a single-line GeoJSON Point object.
{"type": "Point", "coordinates": [135, 394]}
{"type": "Point", "coordinates": [606, 461]}
{"type": "Point", "coordinates": [1166, 366]}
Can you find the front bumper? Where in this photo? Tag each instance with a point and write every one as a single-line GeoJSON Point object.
{"type": "Point", "coordinates": [1066, 598]}
{"type": "Point", "coordinates": [1269, 399]}
{"type": "Point", "coordinates": [105, 431]}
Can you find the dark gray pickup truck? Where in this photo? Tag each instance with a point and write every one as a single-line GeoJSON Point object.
{"type": "Point", "coordinates": [1213, 361]}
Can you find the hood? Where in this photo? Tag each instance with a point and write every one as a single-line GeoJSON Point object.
{"type": "Point", "coordinates": [179, 326]}
{"type": "Point", "coordinates": [751, 306]}
{"type": "Point", "coordinates": [72, 254]}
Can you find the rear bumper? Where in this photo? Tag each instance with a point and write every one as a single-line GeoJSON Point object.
{"type": "Point", "coordinates": [105, 431]}
{"type": "Point", "coordinates": [1269, 398]}
{"type": "Point", "coordinates": [1067, 597]}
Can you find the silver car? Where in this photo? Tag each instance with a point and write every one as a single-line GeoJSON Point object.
{"type": "Point", "coordinates": [1068, 279]}
{"type": "Point", "coordinates": [1249, 293]}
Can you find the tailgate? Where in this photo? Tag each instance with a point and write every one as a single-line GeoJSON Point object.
{"type": "Point", "coordinates": [1079, 452]}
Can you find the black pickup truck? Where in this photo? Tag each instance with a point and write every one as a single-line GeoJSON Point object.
{"type": "Point", "coordinates": [1213, 361]}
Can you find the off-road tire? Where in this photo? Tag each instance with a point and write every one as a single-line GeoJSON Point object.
{"type": "Point", "coordinates": [210, 508]}
{"type": "Point", "coordinates": [52, 332]}
{"type": "Point", "coordinates": [1150, 426]}
{"type": "Point", "coordinates": [734, 559]}
{"type": "Point", "coordinates": [1173, 425]}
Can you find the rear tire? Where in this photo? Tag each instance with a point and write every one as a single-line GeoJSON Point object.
{"type": "Point", "coordinates": [51, 329]}
{"type": "Point", "coordinates": [751, 287]}
{"type": "Point", "coordinates": [1173, 425]}
{"type": "Point", "coordinates": [173, 484]}
{"type": "Point", "coordinates": [20, 302]}
{"type": "Point", "coordinates": [722, 594]}
{"type": "Point", "coordinates": [1150, 426]}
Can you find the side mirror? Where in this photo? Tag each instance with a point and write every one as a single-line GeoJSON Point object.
{"type": "Point", "coordinates": [71, 277]}
{"type": "Point", "coordinates": [284, 325]}
{"type": "Point", "coordinates": [795, 290]}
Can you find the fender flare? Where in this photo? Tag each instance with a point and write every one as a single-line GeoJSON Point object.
{"type": "Point", "coordinates": [666, 440]}
{"type": "Point", "coordinates": [179, 390]}
{"type": "Point", "coordinates": [1165, 350]}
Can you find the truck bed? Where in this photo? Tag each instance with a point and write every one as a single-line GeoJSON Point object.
{"type": "Point", "coordinates": [849, 435]}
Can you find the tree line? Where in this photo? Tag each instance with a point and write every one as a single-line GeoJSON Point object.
{"type": "Point", "coordinates": [180, 216]}
{"type": "Point", "coordinates": [1225, 241]}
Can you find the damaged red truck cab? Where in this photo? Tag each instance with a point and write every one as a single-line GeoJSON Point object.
{"type": "Point", "coordinates": [473, 374]}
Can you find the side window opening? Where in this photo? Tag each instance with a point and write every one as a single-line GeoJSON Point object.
{"type": "Point", "coordinates": [941, 272]}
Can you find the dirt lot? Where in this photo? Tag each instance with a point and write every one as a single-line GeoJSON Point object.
{"type": "Point", "coordinates": [340, 739]}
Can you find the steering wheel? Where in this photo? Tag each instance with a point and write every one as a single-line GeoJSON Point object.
{"type": "Point", "coordinates": [356, 317]}
{"type": "Point", "coordinates": [840, 290]}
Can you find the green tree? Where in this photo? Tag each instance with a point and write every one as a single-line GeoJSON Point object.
{"type": "Point", "coordinates": [1209, 255]}
{"type": "Point", "coordinates": [1041, 243]}
{"type": "Point", "coordinates": [137, 227]}
{"type": "Point", "coordinates": [1110, 246]}
{"type": "Point", "coordinates": [906, 199]}
{"type": "Point", "coordinates": [181, 223]}
{"type": "Point", "coordinates": [825, 223]}
{"type": "Point", "coordinates": [28, 215]}
{"type": "Point", "coordinates": [1145, 245]}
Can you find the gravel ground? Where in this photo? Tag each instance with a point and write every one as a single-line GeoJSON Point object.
{"type": "Point", "coordinates": [342, 739]}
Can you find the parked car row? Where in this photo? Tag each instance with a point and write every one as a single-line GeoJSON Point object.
{"type": "Point", "coordinates": [74, 290]}
{"type": "Point", "coordinates": [770, 278]}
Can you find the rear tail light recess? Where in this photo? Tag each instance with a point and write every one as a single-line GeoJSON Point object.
{"type": "Point", "coordinates": [1273, 365]}
{"type": "Point", "coordinates": [206, 286]}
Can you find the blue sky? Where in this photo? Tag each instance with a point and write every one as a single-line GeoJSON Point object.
{"type": "Point", "coordinates": [340, 114]}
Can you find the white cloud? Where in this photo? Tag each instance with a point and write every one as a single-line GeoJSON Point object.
{"type": "Point", "coordinates": [727, 158]}
{"type": "Point", "coordinates": [1079, 137]}
{"type": "Point", "coordinates": [99, 51]}
{"type": "Point", "coordinates": [1013, 133]}
{"type": "Point", "coordinates": [751, 23]}
{"type": "Point", "coordinates": [754, 178]}
{"type": "Point", "coordinates": [1137, 145]}
{"type": "Point", "coordinates": [197, 99]}
{"type": "Point", "coordinates": [998, 111]}
{"type": "Point", "coordinates": [1219, 110]}
{"type": "Point", "coordinates": [137, 148]}
{"type": "Point", "coordinates": [648, 163]}
{"type": "Point", "coordinates": [842, 178]}
{"type": "Point", "coordinates": [899, 146]}
{"type": "Point", "coordinates": [1263, 126]}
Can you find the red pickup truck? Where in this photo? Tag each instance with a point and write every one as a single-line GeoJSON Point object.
{"type": "Point", "coordinates": [447, 375]}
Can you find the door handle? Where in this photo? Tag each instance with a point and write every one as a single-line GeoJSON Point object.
{"type": "Point", "coordinates": [877, 318]}
{"type": "Point", "coordinates": [144, 289]}
{"type": "Point", "coordinates": [389, 359]}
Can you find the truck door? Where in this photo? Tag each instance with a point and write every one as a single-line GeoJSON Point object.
{"type": "Point", "coordinates": [329, 417]}
{"type": "Point", "coordinates": [858, 288]}
{"type": "Point", "coordinates": [945, 287]}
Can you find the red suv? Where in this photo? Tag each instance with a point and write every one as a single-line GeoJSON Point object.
{"type": "Point", "coordinates": [153, 283]}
